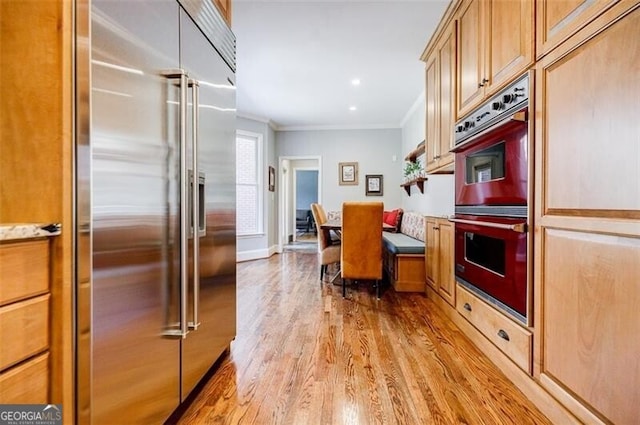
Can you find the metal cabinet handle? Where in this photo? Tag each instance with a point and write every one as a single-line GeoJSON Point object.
{"type": "Point", "coordinates": [502, 334]}
{"type": "Point", "coordinates": [195, 206]}
{"type": "Point", "coordinates": [182, 77]}
{"type": "Point", "coordinates": [467, 307]}
{"type": "Point", "coordinates": [518, 227]}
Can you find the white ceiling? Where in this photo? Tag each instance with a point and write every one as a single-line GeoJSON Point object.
{"type": "Point", "coordinates": [296, 60]}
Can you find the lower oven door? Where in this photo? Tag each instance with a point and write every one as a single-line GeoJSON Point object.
{"type": "Point", "coordinates": [491, 260]}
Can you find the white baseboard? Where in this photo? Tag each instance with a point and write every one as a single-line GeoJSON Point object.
{"type": "Point", "coordinates": [256, 254]}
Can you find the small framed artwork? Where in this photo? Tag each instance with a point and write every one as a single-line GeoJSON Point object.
{"type": "Point", "coordinates": [272, 179]}
{"type": "Point", "coordinates": [348, 173]}
{"type": "Point", "coordinates": [373, 184]}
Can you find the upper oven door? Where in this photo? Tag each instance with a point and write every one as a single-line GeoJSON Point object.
{"type": "Point", "coordinates": [492, 168]}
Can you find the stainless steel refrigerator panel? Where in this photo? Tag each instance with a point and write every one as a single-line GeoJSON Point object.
{"type": "Point", "coordinates": [216, 304]}
{"type": "Point", "coordinates": [133, 141]}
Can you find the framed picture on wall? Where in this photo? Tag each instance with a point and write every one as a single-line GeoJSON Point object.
{"type": "Point", "coordinates": [348, 173]}
{"type": "Point", "coordinates": [272, 179]}
{"type": "Point", "coordinates": [373, 184]}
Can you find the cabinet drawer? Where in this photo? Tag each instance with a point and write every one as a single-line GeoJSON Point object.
{"type": "Point", "coordinates": [24, 270]}
{"type": "Point", "coordinates": [509, 337]}
{"type": "Point", "coordinates": [27, 383]}
{"type": "Point", "coordinates": [24, 330]}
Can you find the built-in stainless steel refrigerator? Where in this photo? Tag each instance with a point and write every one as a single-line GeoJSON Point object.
{"type": "Point", "coordinates": [156, 296]}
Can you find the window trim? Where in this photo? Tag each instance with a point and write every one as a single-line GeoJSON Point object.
{"type": "Point", "coordinates": [259, 138]}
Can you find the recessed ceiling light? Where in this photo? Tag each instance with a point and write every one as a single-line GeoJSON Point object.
{"type": "Point", "coordinates": [352, 108]}
{"type": "Point", "coordinates": [355, 82]}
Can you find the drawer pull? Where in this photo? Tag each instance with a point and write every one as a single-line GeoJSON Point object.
{"type": "Point", "coordinates": [467, 307]}
{"type": "Point", "coordinates": [502, 334]}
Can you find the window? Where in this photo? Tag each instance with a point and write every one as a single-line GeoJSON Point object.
{"type": "Point", "coordinates": [248, 183]}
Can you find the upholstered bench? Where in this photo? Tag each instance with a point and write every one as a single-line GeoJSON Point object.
{"type": "Point", "coordinates": [403, 254]}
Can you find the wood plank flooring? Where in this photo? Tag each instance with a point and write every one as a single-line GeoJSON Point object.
{"type": "Point", "coordinates": [304, 355]}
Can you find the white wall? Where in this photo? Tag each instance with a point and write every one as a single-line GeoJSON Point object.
{"type": "Point", "coordinates": [373, 150]}
{"type": "Point", "coordinates": [263, 245]}
{"type": "Point", "coordinates": [438, 197]}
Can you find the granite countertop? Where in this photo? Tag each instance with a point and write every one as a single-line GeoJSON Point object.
{"type": "Point", "coordinates": [15, 231]}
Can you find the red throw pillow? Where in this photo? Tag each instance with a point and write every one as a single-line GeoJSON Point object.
{"type": "Point", "coordinates": [391, 217]}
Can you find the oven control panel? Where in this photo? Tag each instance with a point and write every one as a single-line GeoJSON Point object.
{"type": "Point", "coordinates": [513, 98]}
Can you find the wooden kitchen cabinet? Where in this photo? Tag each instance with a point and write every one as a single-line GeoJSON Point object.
{"type": "Point", "coordinates": [495, 45]}
{"type": "Point", "coordinates": [440, 103]}
{"type": "Point", "coordinates": [224, 6]}
{"type": "Point", "coordinates": [470, 75]}
{"type": "Point", "coordinates": [557, 20]}
{"type": "Point", "coordinates": [587, 219]}
{"type": "Point", "coordinates": [24, 321]}
{"type": "Point", "coordinates": [510, 338]}
{"type": "Point", "coordinates": [440, 258]}
{"type": "Point", "coordinates": [36, 179]}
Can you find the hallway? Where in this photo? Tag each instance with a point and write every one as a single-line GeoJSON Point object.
{"type": "Point", "coordinates": [303, 355]}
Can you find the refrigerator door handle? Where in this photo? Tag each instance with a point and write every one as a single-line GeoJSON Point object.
{"type": "Point", "coordinates": [195, 206]}
{"type": "Point", "coordinates": [183, 78]}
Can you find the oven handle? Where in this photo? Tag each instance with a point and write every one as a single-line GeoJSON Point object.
{"type": "Point", "coordinates": [519, 227]}
{"type": "Point", "coordinates": [520, 116]}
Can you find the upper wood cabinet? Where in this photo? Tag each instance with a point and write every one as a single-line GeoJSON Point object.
{"type": "Point", "coordinates": [557, 20]}
{"type": "Point", "coordinates": [440, 103]}
{"type": "Point", "coordinates": [471, 78]}
{"type": "Point", "coordinates": [495, 44]}
{"type": "Point", "coordinates": [224, 6]}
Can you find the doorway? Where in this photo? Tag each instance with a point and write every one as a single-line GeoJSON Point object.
{"type": "Point", "coordinates": [301, 179]}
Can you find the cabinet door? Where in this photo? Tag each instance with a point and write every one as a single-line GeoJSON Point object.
{"type": "Point", "coordinates": [433, 246]}
{"type": "Point", "coordinates": [431, 132]}
{"type": "Point", "coordinates": [591, 299]}
{"type": "Point", "coordinates": [510, 45]}
{"type": "Point", "coordinates": [558, 20]}
{"type": "Point", "coordinates": [446, 99]}
{"type": "Point", "coordinates": [446, 284]}
{"type": "Point", "coordinates": [470, 76]}
{"type": "Point", "coordinates": [588, 230]}
{"type": "Point", "coordinates": [224, 6]}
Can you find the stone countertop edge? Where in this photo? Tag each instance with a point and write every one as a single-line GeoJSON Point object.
{"type": "Point", "coordinates": [17, 231]}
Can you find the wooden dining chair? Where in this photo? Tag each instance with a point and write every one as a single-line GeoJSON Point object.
{"type": "Point", "coordinates": [361, 257]}
{"type": "Point", "coordinates": [329, 252]}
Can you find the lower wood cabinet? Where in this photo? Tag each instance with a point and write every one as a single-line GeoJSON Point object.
{"type": "Point", "coordinates": [24, 330]}
{"type": "Point", "coordinates": [27, 383]}
{"type": "Point", "coordinates": [511, 338]}
{"type": "Point", "coordinates": [439, 257]}
{"type": "Point", "coordinates": [24, 322]}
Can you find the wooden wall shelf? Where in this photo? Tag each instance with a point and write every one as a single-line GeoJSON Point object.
{"type": "Point", "coordinates": [414, 154]}
{"type": "Point", "coordinates": [418, 182]}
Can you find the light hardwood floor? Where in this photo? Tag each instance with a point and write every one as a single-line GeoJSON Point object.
{"type": "Point", "coordinates": [304, 355]}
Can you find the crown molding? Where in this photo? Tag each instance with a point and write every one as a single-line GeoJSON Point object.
{"type": "Point", "coordinates": [338, 127]}
{"type": "Point", "coordinates": [257, 118]}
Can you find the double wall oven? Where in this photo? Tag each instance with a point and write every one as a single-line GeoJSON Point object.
{"type": "Point", "coordinates": [492, 210]}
